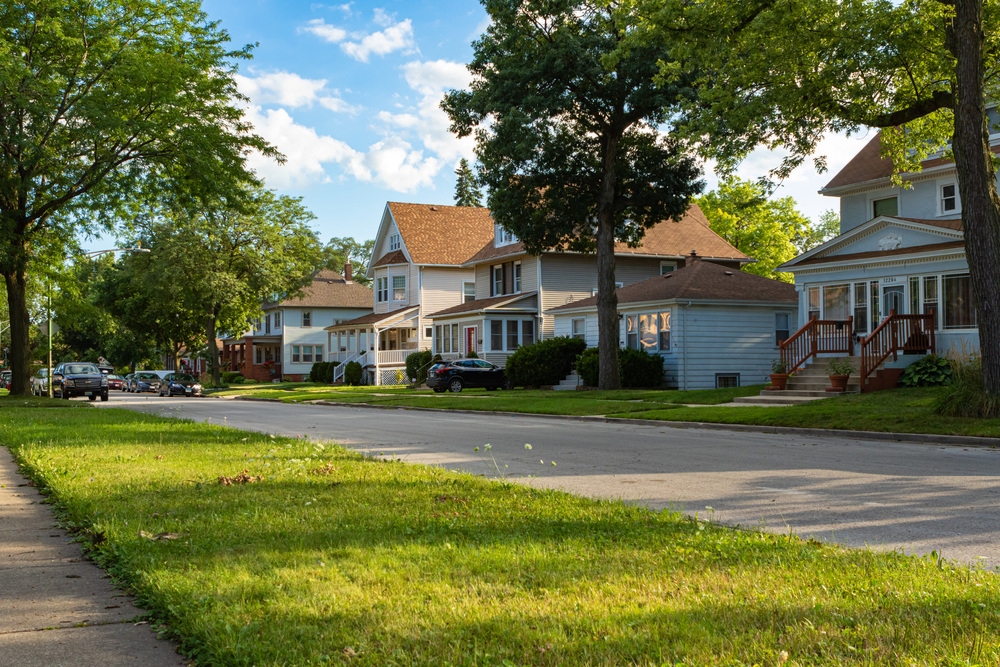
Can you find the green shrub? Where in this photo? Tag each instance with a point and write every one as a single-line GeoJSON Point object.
{"type": "Point", "coordinates": [472, 355]}
{"type": "Point", "coordinates": [546, 362]}
{"type": "Point", "coordinates": [588, 366]}
{"type": "Point", "coordinates": [229, 377]}
{"type": "Point", "coordinates": [352, 374]}
{"type": "Point", "coordinates": [239, 379]}
{"type": "Point", "coordinates": [417, 364]}
{"type": "Point", "coordinates": [639, 368]}
{"type": "Point", "coordinates": [965, 396]}
{"type": "Point", "coordinates": [929, 371]}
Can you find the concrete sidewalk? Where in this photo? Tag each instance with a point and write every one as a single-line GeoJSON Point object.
{"type": "Point", "coordinates": [57, 609]}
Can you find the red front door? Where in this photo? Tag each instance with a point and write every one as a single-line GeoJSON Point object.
{"type": "Point", "coordinates": [470, 340]}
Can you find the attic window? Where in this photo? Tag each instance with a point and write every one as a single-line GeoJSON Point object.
{"type": "Point", "coordinates": [394, 242]}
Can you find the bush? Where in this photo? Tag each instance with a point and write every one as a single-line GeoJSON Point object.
{"type": "Point", "coordinates": [239, 379]}
{"type": "Point", "coordinates": [636, 368]}
{"type": "Point", "coordinates": [472, 355]}
{"type": "Point", "coordinates": [229, 377]}
{"type": "Point", "coordinates": [965, 396]}
{"type": "Point", "coordinates": [352, 374]}
{"type": "Point", "coordinates": [929, 371]}
{"type": "Point", "coordinates": [417, 364]}
{"type": "Point", "coordinates": [588, 366]}
{"type": "Point", "coordinates": [322, 371]}
{"type": "Point", "coordinates": [639, 368]}
{"type": "Point", "coordinates": [546, 362]}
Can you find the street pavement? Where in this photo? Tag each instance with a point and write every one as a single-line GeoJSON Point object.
{"type": "Point", "coordinates": [915, 498]}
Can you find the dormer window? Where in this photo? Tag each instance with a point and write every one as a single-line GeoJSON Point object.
{"type": "Point", "coordinates": [949, 199]}
{"type": "Point", "coordinates": [503, 236]}
{"type": "Point", "coordinates": [888, 207]}
{"type": "Point", "coordinates": [394, 242]}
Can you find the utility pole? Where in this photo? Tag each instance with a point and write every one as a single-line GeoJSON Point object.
{"type": "Point", "coordinates": [48, 380]}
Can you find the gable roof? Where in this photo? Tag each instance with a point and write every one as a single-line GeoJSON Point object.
{"type": "Point", "coordinates": [329, 289]}
{"type": "Point", "coordinates": [665, 239]}
{"type": "Point", "coordinates": [445, 235]}
{"type": "Point", "coordinates": [482, 304]}
{"type": "Point", "coordinates": [871, 254]}
{"type": "Point", "coordinates": [375, 318]}
{"type": "Point", "coordinates": [701, 281]}
{"type": "Point", "coordinates": [394, 257]}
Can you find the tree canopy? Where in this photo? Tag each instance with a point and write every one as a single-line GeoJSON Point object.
{"type": "Point", "coordinates": [338, 251]}
{"type": "Point", "coordinates": [466, 188]}
{"type": "Point", "coordinates": [570, 145]}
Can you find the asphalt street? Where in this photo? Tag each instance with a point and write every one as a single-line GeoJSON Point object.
{"type": "Point", "coordinates": [888, 495]}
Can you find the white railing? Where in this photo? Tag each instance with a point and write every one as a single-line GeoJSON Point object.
{"type": "Point", "coordinates": [450, 356]}
{"type": "Point", "coordinates": [393, 357]}
{"type": "Point", "coordinates": [343, 358]}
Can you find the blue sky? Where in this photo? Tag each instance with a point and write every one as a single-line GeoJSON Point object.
{"type": "Point", "coordinates": [350, 92]}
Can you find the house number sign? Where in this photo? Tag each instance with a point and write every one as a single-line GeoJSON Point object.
{"type": "Point", "coordinates": [889, 281]}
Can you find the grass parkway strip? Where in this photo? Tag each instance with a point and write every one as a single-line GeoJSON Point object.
{"type": "Point", "coordinates": [254, 550]}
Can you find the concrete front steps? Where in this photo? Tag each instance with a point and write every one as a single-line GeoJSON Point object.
{"type": "Point", "coordinates": [571, 382]}
{"type": "Point", "coordinates": [808, 384]}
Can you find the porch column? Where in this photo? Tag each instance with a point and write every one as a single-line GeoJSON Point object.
{"type": "Point", "coordinates": [378, 367]}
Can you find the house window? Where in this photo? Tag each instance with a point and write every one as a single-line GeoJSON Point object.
{"type": "Point", "coordinates": [959, 310]}
{"type": "Point", "coordinates": [260, 354]}
{"type": "Point", "coordinates": [429, 333]}
{"type": "Point", "coordinates": [580, 328]}
{"type": "Point", "coordinates": [931, 299]}
{"type": "Point", "coordinates": [527, 332]}
{"type": "Point", "coordinates": [267, 323]}
{"type": "Point", "coordinates": [914, 296]}
{"type": "Point", "coordinates": [595, 292]}
{"type": "Point", "coordinates": [727, 380]}
{"type": "Point", "coordinates": [394, 242]}
{"type": "Point", "coordinates": [447, 338]}
{"type": "Point", "coordinates": [664, 331]}
{"type": "Point", "coordinates": [860, 308]}
{"type": "Point", "coordinates": [437, 339]}
{"type": "Point", "coordinates": [517, 277]}
{"type": "Point", "coordinates": [503, 236]}
{"type": "Point", "coordinates": [295, 354]}
{"type": "Point", "coordinates": [835, 302]}
{"type": "Point", "coordinates": [497, 280]}
{"type": "Point", "coordinates": [277, 354]}
{"type": "Point", "coordinates": [496, 335]}
{"type": "Point", "coordinates": [277, 320]}
{"type": "Point", "coordinates": [399, 288]}
{"type": "Point", "coordinates": [782, 327]}
{"type": "Point", "coordinates": [632, 332]}
{"type": "Point", "coordinates": [468, 292]}
{"type": "Point", "coordinates": [512, 334]}
{"type": "Point", "coordinates": [874, 304]}
{"type": "Point", "coordinates": [307, 318]}
{"type": "Point", "coordinates": [382, 290]}
{"type": "Point", "coordinates": [667, 267]}
{"type": "Point", "coordinates": [454, 338]}
{"type": "Point", "coordinates": [307, 354]}
{"type": "Point", "coordinates": [888, 206]}
{"type": "Point", "coordinates": [647, 332]}
{"type": "Point", "coordinates": [949, 201]}
{"type": "Point", "coordinates": [814, 303]}
{"type": "Point", "coordinates": [319, 351]}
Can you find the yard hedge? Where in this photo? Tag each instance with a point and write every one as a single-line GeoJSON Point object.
{"type": "Point", "coordinates": [636, 368]}
{"type": "Point", "coordinates": [322, 371]}
{"type": "Point", "coordinates": [352, 374]}
{"type": "Point", "coordinates": [417, 364]}
{"type": "Point", "coordinates": [546, 362]}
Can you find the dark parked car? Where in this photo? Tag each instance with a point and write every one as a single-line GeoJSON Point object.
{"type": "Point", "coordinates": [79, 378]}
{"type": "Point", "coordinates": [181, 384]}
{"type": "Point", "coordinates": [144, 382]}
{"type": "Point", "coordinates": [454, 376]}
{"type": "Point", "coordinates": [114, 381]}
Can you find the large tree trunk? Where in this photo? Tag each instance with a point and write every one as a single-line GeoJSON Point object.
{"type": "Point", "coordinates": [607, 298]}
{"type": "Point", "coordinates": [213, 350]}
{"type": "Point", "coordinates": [977, 183]}
{"type": "Point", "coordinates": [20, 334]}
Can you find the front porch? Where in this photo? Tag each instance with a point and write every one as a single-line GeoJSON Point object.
{"type": "Point", "coordinates": [380, 342]}
{"type": "Point", "coordinates": [254, 357]}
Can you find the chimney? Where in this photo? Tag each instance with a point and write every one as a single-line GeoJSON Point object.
{"type": "Point", "coordinates": [348, 271]}
{"type": "Point", "coordinates": [693, 258]}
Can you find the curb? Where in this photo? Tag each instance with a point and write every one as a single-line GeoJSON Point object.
{"type": "Point", "coordinates": [913, 438]}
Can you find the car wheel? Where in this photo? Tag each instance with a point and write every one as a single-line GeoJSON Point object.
{"type": "Point", "coordinates": [455, 386]}
{"type": "Point", "coordinates": [439, 391]}
{"type": "Point", "coordinates": [91, 398]}
{"type": "Point", "coordinates": [104, 397]}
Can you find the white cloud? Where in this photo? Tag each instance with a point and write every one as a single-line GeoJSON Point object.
{"type": "Point", "coordinates": [320, 28]}
{"type": "Point", "coordinates": [395, 37]}
{"type": "Point", "coordinates": [346, 8]}
{"type": "Point", "coordinates": [291, 90]}
{"type": "Point", "coordinates": [383, 18]}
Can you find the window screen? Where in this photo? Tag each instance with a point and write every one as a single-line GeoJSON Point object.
{"type": "Point", "coordinates": [959, 311]}
{"type": "Point", "coordinates": [527, 332]}
{"type": "Point", "coordinates": [512, 334]}
{"type": "Point", "coordinates": [496, 335]}
{"type": "Point", "coordinates": [888, 206]}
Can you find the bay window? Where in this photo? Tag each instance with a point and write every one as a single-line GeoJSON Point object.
{"type": "Point", "coordinates": [399, 288]}
{"type": "Point", "coordinates": [648, 331]}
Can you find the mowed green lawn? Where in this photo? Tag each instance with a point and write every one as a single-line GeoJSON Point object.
{"type": "Point", "coordinates": [335, 559]}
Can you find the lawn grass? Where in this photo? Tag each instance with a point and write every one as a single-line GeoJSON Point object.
{"type": "Point", "coordinates": [385, 563]}
{"type": "Point", "coordinates": [904, 410]}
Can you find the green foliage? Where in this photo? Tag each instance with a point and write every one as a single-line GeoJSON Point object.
{"type": "Point", "coordinates": [546, 362]}
{"type": "Point", "coordinates": [472, 355]}
{"type": "Point", "coordinates": [338, 250]}
{"type": "Point", "coordinates": [965, 396]}
{"type": "Point", "coordinates": [929, 371]}
{"type": "Point", "coordinates": [778, 367]}
{"type": "Point", "coordinates": [466, 188]}
{"type": "Point", "coordinates": [824, 229]}
{"type": "Point", "coordinates": [417, 365]}
{"type": "Point", "coordinates": [639, 368]}
{"type": "Point", "coordinates": [352, 374]}
{"type": "Point", "coordinates": [322, 371]}
{"type": "Point", "coordinates": [839, 366]}
{"type": "Point", "coordinates": [763, 228]}
{"type": "Point", "coordinates": [231, 377]}
{"type": "Point", "coordinates": [588, 366]}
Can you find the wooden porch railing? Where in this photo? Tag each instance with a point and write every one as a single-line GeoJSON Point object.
{"type": "Point", "coordinates": [817, 337]}
{"type": "Point", "coordinates": [896, 333]}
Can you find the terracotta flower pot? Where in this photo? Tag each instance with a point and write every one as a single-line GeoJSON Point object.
{"type": "Point", "coordinates": [839, 382]}
{"type": "Point", "coordinates": [779, 381]}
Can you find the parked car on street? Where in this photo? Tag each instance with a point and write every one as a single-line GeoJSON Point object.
{"type": "Point", "coordinates": [115, 381]}
{"type": "Point", "coordinates": [144, 381]}
{"type": "Point", "coordinates": [127, 381]}
{"type": "Point", "coordinates": [5, 379]}
{"type": "Point", "coordinates": [181, 384]}
{"type": "Point", "coordinates": [79, 378]}
{"type": "Point", "coordinates": [40, 382]}
{"type": "Point", "coordinates": [456, 375]}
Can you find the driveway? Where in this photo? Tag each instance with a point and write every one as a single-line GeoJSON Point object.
{"type": "Point", "coordinates": [910, 497]}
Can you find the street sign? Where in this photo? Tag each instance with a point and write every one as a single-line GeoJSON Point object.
{"type": "Point", "coordinates": [44, 328]}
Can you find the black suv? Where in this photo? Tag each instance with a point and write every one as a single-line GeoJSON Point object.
{"type": "Point", "coordinates": [79, 378]}
{"type": "Point", "coordinates": [454, 376]}
{"type": "Point", "coordinates": [181, 383]}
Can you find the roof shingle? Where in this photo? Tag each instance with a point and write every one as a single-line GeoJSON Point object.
{"type": "Point", "coordinates": [480, 304]}
{"type": "Point", "coordinates": [328, 289]}
{"type": "Point", "coordinates": [436, 234]}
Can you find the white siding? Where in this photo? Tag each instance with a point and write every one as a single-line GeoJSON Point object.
{"type": "Point", "coordinates": [441, 288]}
{"type": "Point", "coordinates": [295, 334]}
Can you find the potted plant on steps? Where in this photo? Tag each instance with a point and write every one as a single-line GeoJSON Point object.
{"type": "Point", "coordinates": [779, 375]}
{"type": "Point", "coordinates": [839, 371]}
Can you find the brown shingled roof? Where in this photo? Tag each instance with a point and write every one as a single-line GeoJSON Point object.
{"type": "Point", "coordinates": [871, 254]}
{"type": "Point", "coordinates": [394, 257]}
{"type": "Point", "coordinates": [480, 304]}
{"type": "Point", "coordinates": [436, 234]}
{"type": "Point", "coordinates": [666, 239]}
{"type": "Point", "coordinates": [372, 318]}
{"type": "Point", "coordinates": [696, 282]}
{"type": "Point", "coordinates": [329, 289]}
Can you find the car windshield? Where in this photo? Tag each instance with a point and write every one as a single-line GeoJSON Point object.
{"type": "Point", "coordinates": [79, 369]}
{"type": "Point", "coordinates": [183, 377]}
{"type": "Point", "coordinates": [112, 376]}
{"type": "Point", "coordinates": [148, 376]}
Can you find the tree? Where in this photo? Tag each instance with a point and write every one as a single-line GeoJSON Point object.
{"type": "Point", "coordinates": [94, 98]}
{"type": "Point", "coordinates": [782, 74]}
{"type": "Point", "coordinates": [763, 228]}
{"type": "Point", "coordinates": [568, 142]}
{"type": "Point", "coordinates": [223, 264]}
{"type": "Point", "coordinates": [818, 233]}
{"type": "Point", "coordinates": [338, 251]}
{"type": "Point", "coordinates": [466, 188]}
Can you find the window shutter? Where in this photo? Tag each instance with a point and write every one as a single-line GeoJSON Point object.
{"type": "Point", "coordinates": [491, 281]}
{"type": "Point", "coordinates": [506, 277]}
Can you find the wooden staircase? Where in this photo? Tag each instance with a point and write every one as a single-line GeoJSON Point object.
{"type": "Point", "coordinates": [808, 384]}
